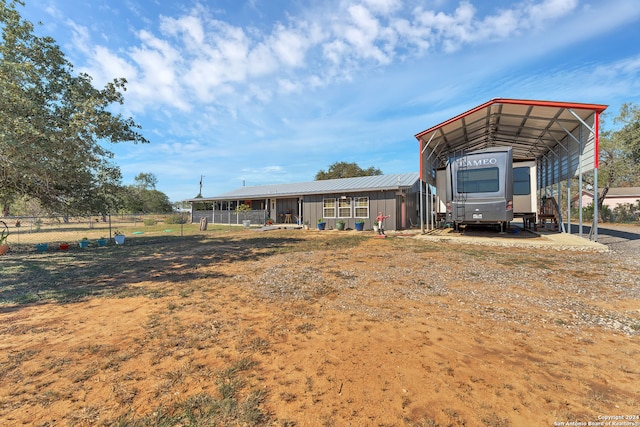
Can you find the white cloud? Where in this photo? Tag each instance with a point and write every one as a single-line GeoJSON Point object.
{"type": "Point", "coordinates": [363, 34]}
{"type": "Point", "coordinates": [159, 62]}
{"type": "Point", "coordinates": [190, 26]}
{"type": "Point", "coordinates": [539, 13]}
{"type": "Point", "coordinates": [383, 7]}
{"type": "Point", "coordinates": [195, 58]}
{"type": "Point", "coordinates": [289, 46]}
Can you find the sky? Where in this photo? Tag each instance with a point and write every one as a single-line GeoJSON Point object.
{"type": "Point", "coordinates": [256, 92]}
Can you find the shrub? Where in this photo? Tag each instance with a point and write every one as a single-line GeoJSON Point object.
{"type": "Point", "coordinates": [176, 219]}
{"type": "Point", "coordinates": [150, 221]}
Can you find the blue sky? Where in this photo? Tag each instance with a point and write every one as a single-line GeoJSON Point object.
{"type": "Point", "coordinates": [270, 91]}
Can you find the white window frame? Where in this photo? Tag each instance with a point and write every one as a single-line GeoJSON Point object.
{"type": "Point", "coordinates": [326, 210]}
{"type": "Point", "coordinates": [356, 200]}
{"type": "Point", "coordinates": [343, 204]}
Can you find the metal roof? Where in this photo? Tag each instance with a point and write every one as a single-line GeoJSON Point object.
{"type": "Point", "coordinates": [531, 127]}
{"type": "Point", "coordinates": [329, 186]}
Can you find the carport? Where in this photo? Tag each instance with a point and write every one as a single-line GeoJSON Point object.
{"type": "Point", "coordinates": [562, 137]}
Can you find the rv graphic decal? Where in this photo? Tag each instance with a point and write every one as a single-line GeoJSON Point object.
{"type": "Point", "coordinates": [465, 162]}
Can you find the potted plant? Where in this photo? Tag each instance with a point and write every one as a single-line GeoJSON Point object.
{"type": "Point", "coordinates": [359, 224]}
{"type": "Point", "coordinates": [64, 246]}
{"type": "Point", "coordinates": [340, 224]}
{"type": "Point", "coordinates": [42, 247]}
{"type": "Point", "coordinates": [321, 224]}
{"type": "Point", "coordinates": [4, 247]}
{"type": "Point", "coordinates": [306, 225]}
{"type": "Point", "coordinates": [118, 237]}
{"type": "Point", "coordinates": [102, 241]}
{"type": "Point", "coordinates": [84, 243]}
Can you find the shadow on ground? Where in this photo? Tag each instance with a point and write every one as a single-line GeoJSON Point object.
{"type": "Point", "coordinates": [69, 276]}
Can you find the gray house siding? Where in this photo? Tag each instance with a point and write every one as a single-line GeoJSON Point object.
{"type": "Point", "coordinates": [394, 195]}
{"type": "Point", "coordinates": [379, 201]}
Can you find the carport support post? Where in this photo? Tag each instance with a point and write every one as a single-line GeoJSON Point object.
{"type": "Point", "coordinates": [429, 207]}
{"type": "Point", "coordinates": [568, 229]}
{"type": "Point", "coordinates": [596, 160]}
{"type": "Point", "coordinates": [421, 209]}
{"type": "Point", "coordinates": [580, 185]}
{"type": "Point", "coordinates": [594, 229]}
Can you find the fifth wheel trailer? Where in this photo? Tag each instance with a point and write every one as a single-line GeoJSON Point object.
{"type": "Point", "coordinates": [524, 190]}
{"type": "Point", "coordinates": [480, 187]}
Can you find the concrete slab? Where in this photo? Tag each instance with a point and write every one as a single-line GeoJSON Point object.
{"type": "Point", "coordinates": [522, 237]}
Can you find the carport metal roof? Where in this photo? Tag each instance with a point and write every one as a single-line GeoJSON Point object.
{"type": "Point", "coordinates": [561, 136]}
{"type": "Point", "coordinates": [532, 128]}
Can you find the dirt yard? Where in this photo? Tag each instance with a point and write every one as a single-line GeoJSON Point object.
{"type": "Point", "coordinates": [307, 328]}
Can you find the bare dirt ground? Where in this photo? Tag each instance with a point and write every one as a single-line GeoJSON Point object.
{"type": "Point", "coordinates": [308, 328]}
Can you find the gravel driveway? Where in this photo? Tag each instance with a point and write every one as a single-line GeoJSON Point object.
{"type": "Point", "coordinates": [623, 239]}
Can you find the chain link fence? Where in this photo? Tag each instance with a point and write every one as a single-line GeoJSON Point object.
{"type": "Point", "coordinates": [46, 233]}
{"type": "Point", "coordinates": [55, 230]}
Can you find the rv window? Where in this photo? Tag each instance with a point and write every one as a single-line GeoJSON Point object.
{"type": "Point", "coordinates": [521, 181]}
{"type": "Point", "coordinates": [478, 180]}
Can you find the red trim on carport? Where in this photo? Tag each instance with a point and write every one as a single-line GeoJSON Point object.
{"type": "Point", "coordinates": [598, 108]}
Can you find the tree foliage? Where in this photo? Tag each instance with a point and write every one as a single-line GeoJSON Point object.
{"type": "Point", "coordinates": [619, 152]}
{"type": "Point", "coordinates": [142, 197]}
{"type": "Point", "coordinates": [54, 124]}
{"type": "Point", "coordinates": [146, 181]}
{"type": "Point", "coordinates": [346, 170]}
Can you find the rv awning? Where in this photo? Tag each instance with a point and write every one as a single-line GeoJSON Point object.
{"type": "Point", "coordinates": [532, 128]}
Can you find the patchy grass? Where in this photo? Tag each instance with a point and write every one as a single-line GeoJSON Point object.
{"type": "Point", "coordinates": [291, 327]}
{"type": "Point", "coordinates": [229, 407]}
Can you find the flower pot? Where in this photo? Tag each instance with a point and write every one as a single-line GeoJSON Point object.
{"type": "Point", "coordinates": [42, 247]}
{"type": "Point", "coordinates": [119, 239]}
{"type": "Point", "coordinates": [246, 223]}
{"type": "Point", "coordinates": [4, 249]}
{"type": "Point", "coordinates": [64, 246]}
{"type": "Point", "coordinates": [83, 243]}
{"type": "Point", "coordinates": [101, 242]}
{"type": "Point", "coordinates": [375, 228]}
{"type": "Point", "coordinates": [321, 225]}
{"type": "Point", "coordinates": [339, 225]}
{"type": "Point", "coordinates": [359, 226]}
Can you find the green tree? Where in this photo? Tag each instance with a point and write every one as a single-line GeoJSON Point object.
{"type": "Point", "coordinates": [53, 123]}
{"type": "Point", "coordinates": [146, 181]}
{"type": "Point", "coordinates": [619, 153]}
{"type": "Point", "coordinates": [155, 201]}
{"type": "Point", "coordinates": [630, 132]}
{"type": "Point", "coordinates": [346, 170]}
{"type": "Point", "coordinates": [142, 197]}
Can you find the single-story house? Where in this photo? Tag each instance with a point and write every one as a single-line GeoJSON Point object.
{"type": "Point", "coordinates": [615, 196]}
{"type": "Point", "coordinates": [347, 199]}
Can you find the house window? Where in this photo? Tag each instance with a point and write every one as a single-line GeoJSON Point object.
{"type": "Point", "coordinates": [362, 207]}
{"type": "Point", "coordinates": [344, 207]}
{"type": "Point", "coordinates": [329, 208]}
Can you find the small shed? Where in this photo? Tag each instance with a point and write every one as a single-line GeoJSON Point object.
{"type": "Point", "coordinates": [346, 199]}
